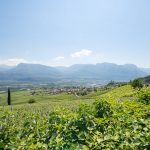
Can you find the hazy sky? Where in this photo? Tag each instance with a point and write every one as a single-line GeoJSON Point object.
{"type": "Point", "coordinates": [65, 32]}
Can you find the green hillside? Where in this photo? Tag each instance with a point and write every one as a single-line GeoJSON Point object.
{"type": "Point", "coordinates": [107, 119]}
{"type": "Point", "coordinates": [44, 97]}
{"type": "Point", "coordinates": [145, 79]}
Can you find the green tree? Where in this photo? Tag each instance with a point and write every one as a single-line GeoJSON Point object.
{"type": "Point", "coordinates": [9, 97]}
{"type": "Point", "coordinates": [136, 84]}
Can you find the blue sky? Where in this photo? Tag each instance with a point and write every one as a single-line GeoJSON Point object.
{"type": "Point", "coordinates": [66, 32]}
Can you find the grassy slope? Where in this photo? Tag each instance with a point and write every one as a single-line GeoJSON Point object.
{"type": "Point", "coordinates": [47, 101]}
{"type": "Point", "coordinates": [127, 127]}
{"type": "Point", "coordinates": [21, 98]}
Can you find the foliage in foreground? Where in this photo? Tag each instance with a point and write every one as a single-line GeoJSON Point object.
{"type": "Point", "coordinates": [144, 97]}
{"type": "Point", "coordinates": [103, 125]}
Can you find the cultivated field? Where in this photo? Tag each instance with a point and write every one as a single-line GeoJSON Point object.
{"type": "Point", "coordinates": [117, 118]}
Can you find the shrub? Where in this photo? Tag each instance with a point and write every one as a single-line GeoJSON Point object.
{"type": "Point", "coordinates": [136, 84]}
{"type": "Point", "coordinates": [31, 101]}
{"type": "Point", "coordinates": [82, 93]}
{"type": "Point", "coordinates": [144, 97]}
{"type": "Point", "coordinates": [102, 109]}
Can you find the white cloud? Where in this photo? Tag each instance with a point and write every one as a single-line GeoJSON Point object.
{"type": "Point", "coordinates": [12, 61]}
{"type": "Point", "coordinates": [59, 58]}
{"type": "Point", "coordinates": [82, 53]}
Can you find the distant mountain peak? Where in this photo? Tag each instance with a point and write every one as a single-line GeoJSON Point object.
{"type": "Point", "coordinates": [100, 71]}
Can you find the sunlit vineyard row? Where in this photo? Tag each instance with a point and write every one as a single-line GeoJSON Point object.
{"type": "Point", "coordinates": [116, 119]}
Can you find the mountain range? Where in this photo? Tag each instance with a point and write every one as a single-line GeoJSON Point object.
{"type": "Point", "coordinates": [101, 71]}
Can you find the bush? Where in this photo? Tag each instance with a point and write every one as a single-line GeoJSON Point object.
{"type": "Point", "coordinates": [82, 93]}
{"type": "Point", "coordinates": [31, 101]}
{"type": "Point", "coordinates": [136, 84]}
{"type": "Point", "coordinates": [102, 109]}
{"type": "Point", "coordinates": [144, 97]}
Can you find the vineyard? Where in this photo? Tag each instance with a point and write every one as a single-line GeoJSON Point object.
{"type": "Point", "coordinates": [113, 119]}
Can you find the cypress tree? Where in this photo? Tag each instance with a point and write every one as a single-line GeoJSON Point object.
{"type": "Point", "coordinates": [9, 97]}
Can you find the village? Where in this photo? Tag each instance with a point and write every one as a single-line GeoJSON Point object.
{"type": "Point", "coordinates": [78, 91]}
